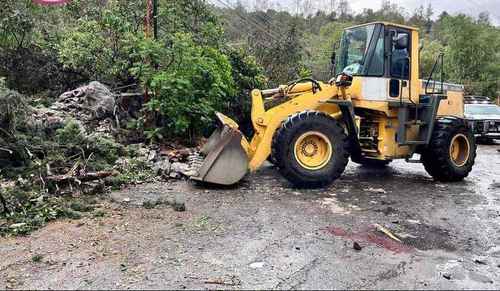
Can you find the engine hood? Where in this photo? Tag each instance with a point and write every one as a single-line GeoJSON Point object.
{"type": "Point", "coordinates": [482, 117]}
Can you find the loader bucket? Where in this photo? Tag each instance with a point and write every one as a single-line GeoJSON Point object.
{"type": "Point", "coordinates": [225, 160]}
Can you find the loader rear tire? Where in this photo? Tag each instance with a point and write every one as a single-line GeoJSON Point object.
{"type": "Point", "coordinates": [451, 153]}
{"type": "Point", "coordinates": [311, 150]}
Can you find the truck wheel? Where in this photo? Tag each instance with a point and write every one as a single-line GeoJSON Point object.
{"type": "Point", "coordinates": [311, 149]}
{"type": "Point", "coordinates": [451, 153]}
{"type": "Point", "coordinates": [372, 163]}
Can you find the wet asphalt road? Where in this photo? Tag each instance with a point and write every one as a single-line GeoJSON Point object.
{"type": "Point", "coordinates": [264, 234]}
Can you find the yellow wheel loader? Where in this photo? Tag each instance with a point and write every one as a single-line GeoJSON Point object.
{"type": "Point", "coordinates": [375, 111]}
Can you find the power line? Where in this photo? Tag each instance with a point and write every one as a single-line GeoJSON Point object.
{"type": "Point", "coordinates": [248, 21]}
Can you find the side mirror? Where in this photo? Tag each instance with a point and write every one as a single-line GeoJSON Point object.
{"type": "Point", "coordinates": [401, 42]}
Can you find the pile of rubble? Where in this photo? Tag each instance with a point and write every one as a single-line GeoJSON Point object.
{"type": "Point", "coordinates": [172, 163]}
{"type": "Point", "coordinates": [93, 106]}
{"type": "Point", "coordinates": [99, 112]}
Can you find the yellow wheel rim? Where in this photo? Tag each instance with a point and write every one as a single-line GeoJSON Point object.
{"type": "Point", "coordinates": [459, 150]}
{"type": "Point", "coordinates": [313, 150]}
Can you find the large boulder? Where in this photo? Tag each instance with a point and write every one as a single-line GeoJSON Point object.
{"type": "Point", "coordinates": [95, 99]}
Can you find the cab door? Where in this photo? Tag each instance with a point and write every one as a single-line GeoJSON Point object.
{"type": "Point", "coordinates": [399, 62]}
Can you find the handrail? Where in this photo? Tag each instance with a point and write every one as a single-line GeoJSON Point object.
{"type": "Point", "coordinates": [439, 59]}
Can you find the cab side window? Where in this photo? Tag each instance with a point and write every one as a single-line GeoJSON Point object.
{"type": "Point", "coordinates": [400, 60]}
{"type": "Point", "coordinates": [377, 63]}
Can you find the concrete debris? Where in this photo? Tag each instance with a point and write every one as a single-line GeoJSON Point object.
{"type": "Point", "coordinates": [480, 278]}
{"type": "Point", "coordinates": [179, 204]}
{"type": "Point", "coordinates": [17, 225]}
{"type": "Point", "coordinates": [93, 106]}
{"type": "Point", "coordinates": [183, 169]}
{"type": "Point", "coordinates": [95, 98]}
{"type": "Point", "coordinates": [232, 281]}
{"type": "Point", "coordinates": [376, 190]}
{"type": "Point", "coordinates": [257, 265]}
{"type": "Point", "coordinates": [414, 221]}
{"type": "Point", "coordinates": [162, 168]}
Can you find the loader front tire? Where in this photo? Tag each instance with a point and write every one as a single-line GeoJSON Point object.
{"type": "Point", "coordinates": [310, 149]}
{"type": "Point", "coordinates": [451, 153]}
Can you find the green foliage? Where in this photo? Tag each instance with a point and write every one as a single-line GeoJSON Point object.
{"type": "Point", "coordinates": [429, 55]}
{"type": "Point", "coordinates": [85, 48]}
{"type": "Point", "coordinates": [100, 49]}
{"type": "Point", "coordinates": [30, 209]}
{"type": "Point", "coordinates": [190, 16]}
{"type": "Point", "coordinates": [189, 84]}
{"type": "Point", "coordinates": [132, 171]}
{"type": "Point", "coordinates": [321, 47]}
{"type": "Point", "coordinates": [37, 258]}
{"type": "Point", "coordinates": [16, 23]}
{"type": "Point", "coordinates": [72, 132]}
{"type": "Point", "coordinates": [13, 108]}
{"type": "Point", "coordinates": [472, 53]}
{"type": "Point", "coordinates": [247, 75]}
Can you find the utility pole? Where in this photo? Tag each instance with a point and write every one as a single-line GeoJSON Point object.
{"type": "Point", "coordinates": [151, 21]}
{"type": "Point", "coordinates": [155, 19]}
{"type": "Point", "coordinates": [332, 6]}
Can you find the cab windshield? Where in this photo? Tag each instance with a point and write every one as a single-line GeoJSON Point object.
{"type": "Point", "coordinates": [354, 47]}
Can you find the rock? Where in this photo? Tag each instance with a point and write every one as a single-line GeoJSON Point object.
{"type": "Point", "coordinates": [162, 167]}
{"type": "Point", "coordinates": [93, 188]}
{"type": "Point", "coordinates": [257, 265]}
{"type": "Point", "coordinates": [17, 225]}
{"type": "Point", "coordinates": [357, 246]}
{"type": "Point", "coordinates": [376, 190]}
{"type": "Point", "coordinates": [143, 153]}
{"type": "Point", "coordinates": [183, 169]}
{"type": "Point", "coordinates": [480, 262]}
{"type": "Point", "coordinates": [180, 167]}
{"type": "Point", "coordinates": [174, 175]}
{"type": "Point", "coordinates": [179, 204]}
{"type": "Point", "coordinates": [152, 156]}
{"type": "Point", "coordinates": [480, 278]}
{"type": "Point", "coordinates": [95, 98]}
{"type": "Point", "coordinates": [447, 276]}
{"type": "Point", "coordinates": [179, 154]}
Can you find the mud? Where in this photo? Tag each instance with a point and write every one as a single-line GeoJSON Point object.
{"type": "Point", "coordinates": [265, 234]}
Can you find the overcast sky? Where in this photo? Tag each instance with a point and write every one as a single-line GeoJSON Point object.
{"type": "Point", "coordinates": [470, 7]}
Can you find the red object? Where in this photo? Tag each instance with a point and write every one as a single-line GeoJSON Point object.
{"type": "Point", "coordinates": [369, 236]}
{"type": "Point", "coordinates": [51, 2]}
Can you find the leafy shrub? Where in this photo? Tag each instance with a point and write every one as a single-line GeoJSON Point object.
{"type": "Point", "coordinates": [191, 82]}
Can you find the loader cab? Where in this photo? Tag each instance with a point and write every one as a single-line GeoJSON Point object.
{"type": "Point", "coordinates": [383, 60]}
